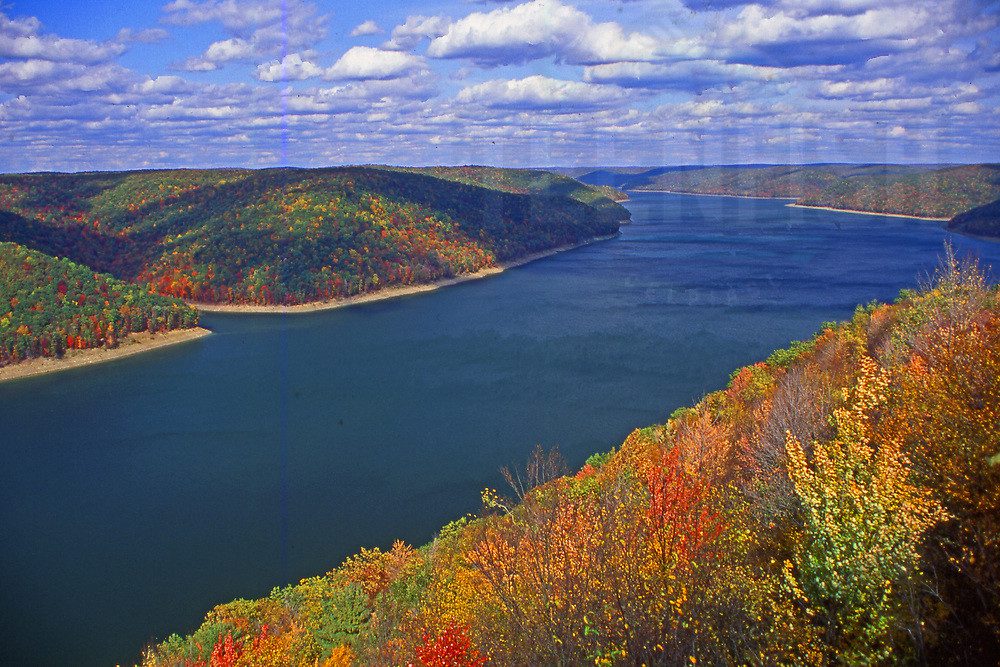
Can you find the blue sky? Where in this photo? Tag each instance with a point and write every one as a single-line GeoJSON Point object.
{"type": "Point", "coordinates": [191, 83]}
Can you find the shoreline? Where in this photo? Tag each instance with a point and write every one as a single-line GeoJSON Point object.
{"type": "Point", "coordinates": [794, 204]}
{"type": "Point", "coordinates": [394, 292]}
{"type": "Point", "coordinates": [136, 343]}
{"type": "Point", "coordinates": [855, 212]}
{"type": "Point", "coordinates": [707, 194]}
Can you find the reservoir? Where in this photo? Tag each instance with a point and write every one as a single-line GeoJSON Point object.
{"type": "Point", "coordinates": [137, 494]}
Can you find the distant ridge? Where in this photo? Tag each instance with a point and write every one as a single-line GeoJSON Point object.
{"type": "Point", "coordinates": [930, 191]}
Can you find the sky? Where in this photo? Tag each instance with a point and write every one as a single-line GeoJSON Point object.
{"type": "Point", "coordinates": [103, 85]}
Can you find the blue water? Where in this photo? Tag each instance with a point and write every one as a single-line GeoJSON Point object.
{"type": "Point", "coordinates": [136, 495]}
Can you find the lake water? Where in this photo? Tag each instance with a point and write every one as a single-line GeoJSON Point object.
{"type": "Point", "coordinates": [136, 495]}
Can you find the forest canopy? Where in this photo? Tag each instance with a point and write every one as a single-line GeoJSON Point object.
{"type": "Point", "coordinates": [291, 236]}
{"type": "Point", "coordinates": [50, 305]}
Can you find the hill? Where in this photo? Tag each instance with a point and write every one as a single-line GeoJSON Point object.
{"type": "Point", "coordinates": [918, 190]}
{"type": "Point", "coordinates": [835, 503]}
{"type": "Point", "coordinates": [980, 221]}
{"type": "Point", "coordinates": [54, 305]}
{"type": "Point", "coordinates": [291, 236]}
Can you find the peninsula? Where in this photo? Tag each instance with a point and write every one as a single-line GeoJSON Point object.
{"type": "Point", "coordinates": [89, 259]}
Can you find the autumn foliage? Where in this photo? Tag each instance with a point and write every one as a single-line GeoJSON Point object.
{"type": "Point", "coordinates": [289, 236]}
{"type": "Point", "coordinates": [49, 306]}
{"type": "Point", "coordinates": [837, 503]}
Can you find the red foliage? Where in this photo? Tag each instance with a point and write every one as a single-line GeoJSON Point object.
{"type": "Point", "coordinates": [451, 648]}
{"type": "Point", "coordinates": [226, 652]}
{"type": "Point", "coordinates": [679, 512]}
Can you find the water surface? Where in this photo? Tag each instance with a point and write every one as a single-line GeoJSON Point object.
{"type": "Point", "coordinates": [136, 495]}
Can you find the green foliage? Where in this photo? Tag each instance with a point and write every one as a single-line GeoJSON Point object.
{"type": "Point", "coordinates": [49, 305]}
{"type": "Point", "coordinates": [786, 357]}
{"type": "Point", "coordinates": [342, 619]}
{"type": "Point", "coordinates": [680, 412]}
{"type": "Point", "coordinates": [597, 461]}
{"type": "Point", "coordinates": [864, 521]}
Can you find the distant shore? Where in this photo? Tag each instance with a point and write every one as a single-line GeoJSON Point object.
{"type": "Point", "coordinates": [794, 205]}
{"type": "Point", "coordinates": [855, 212]}
{"type": "Point", "coordinates": [393, 292]}
{"type": "Point", "coordinates": [136, 343]}
{"type": "Point", "coordinates": [706, 194]}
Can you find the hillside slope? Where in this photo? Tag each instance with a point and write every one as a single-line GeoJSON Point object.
{"type": "Point", "coordinates": [917, 190]}
{"type": "Point", "coordinates": [289, 236]}
{"type": "Point", "coordinates": [50, 305]}
{"type": "Point", "coordinates": [834, 504]}
{"type": "Point", "coordinates": [980, 221]}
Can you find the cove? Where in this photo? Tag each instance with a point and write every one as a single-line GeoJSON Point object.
{"type": "Point", "coordinates": [139, 493]}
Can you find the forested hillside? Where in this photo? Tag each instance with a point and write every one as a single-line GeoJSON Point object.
{"type": "Point", "coordinates": [50, 305]}
{"type": "Point", "coordinates": [289, 236]}
{"type": "Point", "coordinates": [980, 221]}
{"type": "Point", "coordinates": [836, 503]}
{"type": "Point", "coordinates": [926, 191]}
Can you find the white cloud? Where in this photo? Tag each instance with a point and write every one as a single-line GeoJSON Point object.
{"type": "Point", "coordinates": [855, 88]}
{"type": "Point", "coordinates": [290, 68]}
{"type": "Point", "coordinates": [47, 77]}
{"type": "Point", "coordinates": [369, 27]}
{"type": "Point", "coordinates": [756, 24]}
{"type": "Point", "coordinates": [539, 29]}
{"type": "Point", "coordinates": [258, 28]}
{"type": "Point", "coordinates": [229, 49]}
{"type": "Point", "coordinates": [147, 36]}
{"type": "Point", "coordinates": [365, 62]}
{"type": "Point", "coordinates": [236, 16]}
{"type": "Point", "coordinates": [416, 28]}
{"type": "Point", "coordinates": [27, 70]}
{"type": "Point", "coordinates": [539, 92]}
{"type": "Point", "coordinates": [967, 108]}
{"type": "Point", "coordinates": [21, 38]}
{"type": "Point", "coordinates": [696, 75]}
{"type": "Point", "coordinates": [167, 84]}
{"type": "Point", "coordinates": [219, 53]}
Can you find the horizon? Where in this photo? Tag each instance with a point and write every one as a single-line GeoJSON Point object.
{"type": "Point", "coordinates": [733, 165]}
{"type": "Point", "coordinates": [301, 83]}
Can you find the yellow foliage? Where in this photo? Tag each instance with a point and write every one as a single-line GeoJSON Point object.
{"type": "Point", "coordinates": [341, 656]}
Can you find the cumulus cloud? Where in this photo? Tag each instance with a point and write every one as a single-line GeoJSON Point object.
{"type": "Point", "coordinates": [165, 85]}
{"type": "Point", "coordinates": [219, 53]}
{"type": "Point", "coordinates": [290, 68]}
{"type": "Point", "coordinates": [844, 31]}
{"type": "Point", "coordinates": [365, 62]}
{"type": "Point", "coordinates": [54, 78]}
{"type": "Point", "coordinates": [540, 29]}
{"type": "Point", "coordinates": [539, 92]}
{"type": "Point", "coordinates": [369, 27]}
{"type": "Point", "coordinates": [855, 88]}
{"type": "Point", "coordinates": [258, 28]}
{"type": "Point", "coordinates": [416, 28]}
{"type": "Point", "coordinates": [695, 75]}
{"type": "Point", "coordinates": [22, 38]}
{"type": "Point", "coordinates": [40, 63]}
